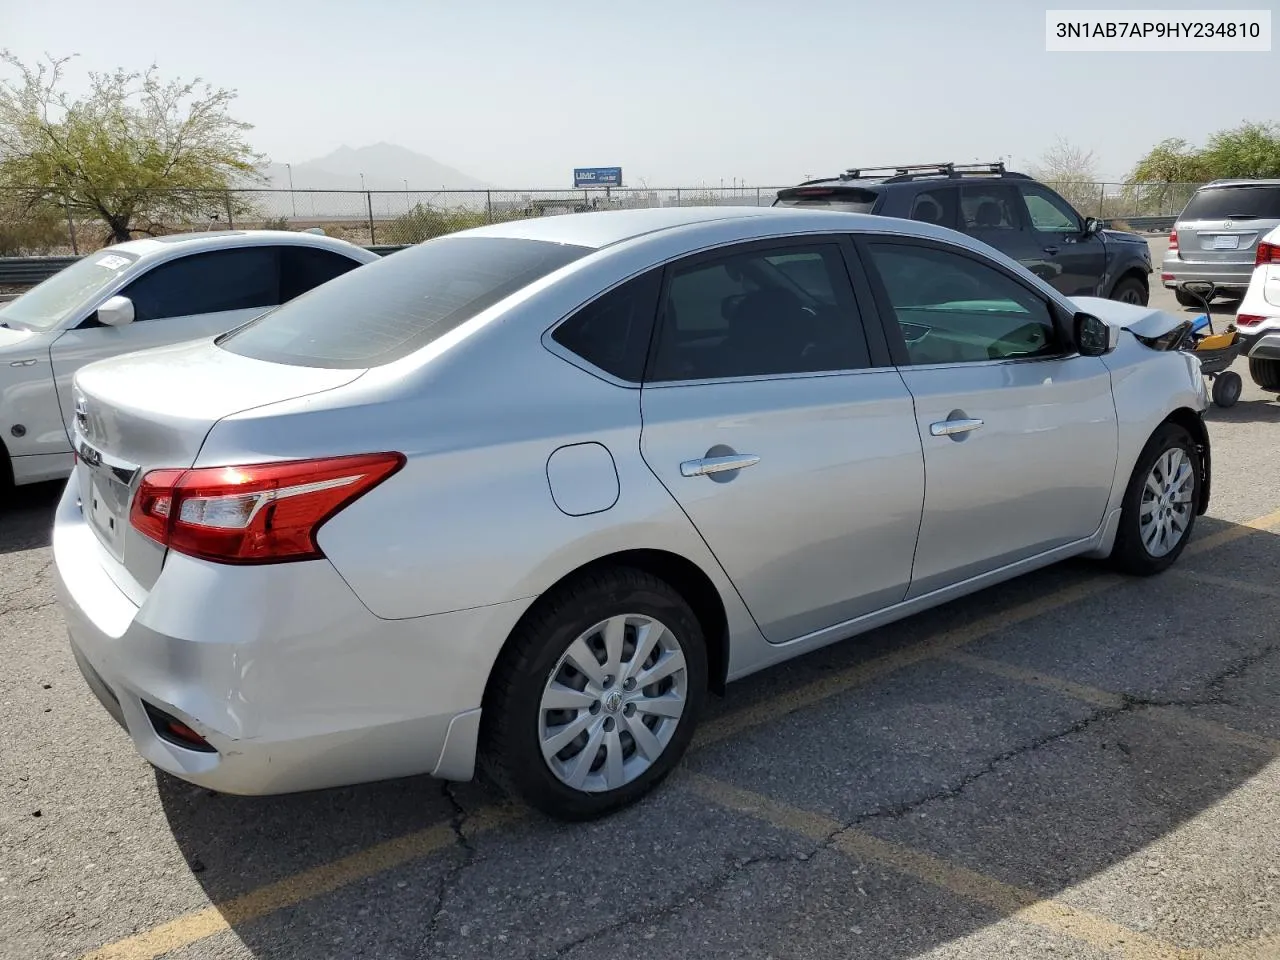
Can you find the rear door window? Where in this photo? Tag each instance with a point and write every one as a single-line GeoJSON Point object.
{"type": "Point", "coordinates": [613, 331]}
{"type": "Point", "coordinates": [1234, 203]}
{"type": "Point", "coordinates": [212, 282]}
{"type": "Point", "coordinates": [989, 207]}
{"type": "Point", "coordinates": [303, 268]}
{"type": "Point", "coordinates": [935, 206]}
{"type": "Point", "coordinates": [393, 307]}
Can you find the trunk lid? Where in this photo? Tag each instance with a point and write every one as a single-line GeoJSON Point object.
{"type": "Point", "coordinates": [152, 410]}
{"type": "Point", "coordinates": [1223, 224]}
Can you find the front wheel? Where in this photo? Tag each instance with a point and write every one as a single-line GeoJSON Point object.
{"type": "Point", "coordinates": [595, 699]}
{"type": "Point", "coordinates": [1160, 503]}
{"type": "Point", "coordinates": [1130, 290]}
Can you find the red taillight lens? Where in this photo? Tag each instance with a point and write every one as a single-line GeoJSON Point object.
{"type": "Point", "coordinates": [1267, 253]}
{"type": "Point", "coordinates": [261, 513]}
{"type": "Point", "coordinates": [1248, 320]}
{"type": "Point", "coordinates": [1173, 241]}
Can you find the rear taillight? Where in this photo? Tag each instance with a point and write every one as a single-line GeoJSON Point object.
{"type": "Point", "coordinates": [1267, 253]}
{"type": "Point", "coordinates": [1248, 320]}
{"type": "Point", "coordinates": [261, 513]}
{"type": "Point", "coordinates": [1173, 241]}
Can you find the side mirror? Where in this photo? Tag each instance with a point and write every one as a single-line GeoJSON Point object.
{"type": "Point", "coordinates": [116, 312]}
{"type": "Point", "coordinates": [1092, 226]}
{"type": "Point", "coordinates": [1095, 337]}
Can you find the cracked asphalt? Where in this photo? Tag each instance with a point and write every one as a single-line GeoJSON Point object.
{"type": "Point", "coordinates": [1069, 765]}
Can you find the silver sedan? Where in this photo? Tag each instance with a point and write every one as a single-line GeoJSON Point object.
{"type": "Point", "coordinates": [527, 493]}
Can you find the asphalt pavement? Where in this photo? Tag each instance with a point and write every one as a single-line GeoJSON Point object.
{"type": "Point", "coordinates": [1073, 764]}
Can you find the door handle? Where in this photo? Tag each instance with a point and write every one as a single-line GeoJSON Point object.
{"type": "Point", "coordinates": [1051, 250]}
{"type": "Point", "coordinates": [710, 465]}
{"type": "Point", "coordinates": [950, 428]}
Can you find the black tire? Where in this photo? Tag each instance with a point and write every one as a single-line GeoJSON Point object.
{"type": "Point", "coordinates": [511, 752]}
{"type": "Point", "coordinates": [1187, 300]}
{"type": "Point", "coordinates": [1265, 372]}
{"type": "Point", "coordinates": [1130, 290]}
{"type": "Point", "coordinates": [1130, 554]}
{"type": "Point", "coordinates": [1227, 387]}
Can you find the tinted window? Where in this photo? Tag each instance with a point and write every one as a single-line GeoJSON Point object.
{"type": "Point", "coordinates": [845, 199]}
{"type": "Point", "coordinates": [392, 307]}
{"type": "Point", "coordinates": [1224, 203]}
{"type": "Point", "coordinates": [207, 283]}
{"type": "Point", "coordinates": [954, 309]}
{"type": "Point", "coordinates": [935, 206]}
{"type": "Point", "coordinates": [613, 331]}
{"type": "Point", "coordinates": [988, 208]}
{"type": "Point", "coordinates": [302, 268]}
{"type": "Point", "coordinates": [49, 303]}
{"type": "Point", "coordinates": [1048, 213]}
{"type": "Point", "coordinates": [759, 313]}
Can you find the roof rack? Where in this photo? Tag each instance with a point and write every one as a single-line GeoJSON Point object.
{"type": "Point", "coordinates": [902, 172]}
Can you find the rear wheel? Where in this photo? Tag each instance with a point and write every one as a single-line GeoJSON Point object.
{"type": "Point", "coordinates": [1265, 373]}
{"type": "Point", "coordinates": [1159, 507]}
{"type": "Point", "coordinates": [595, 699]}
{"type": "Point", "coordinates": [1130, 290]}
{"type": "Point", "coordinates": [1187, 300]}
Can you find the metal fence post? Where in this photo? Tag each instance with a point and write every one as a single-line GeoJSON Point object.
{"type": "Point", "coordinates": [1102, 200]}
{"type": "Point", "coordinates": [226, 199]}
{"type": "Point", "coordinates": [488, 206]}
{"type": "Point", "coordinates": [71, 227]}
{"type": "Point", "coordinates": [368, 198]}
{"type": "Point", "coordinates": [678, 201]}
{"type": "Point", "coordinates": [758, 202]}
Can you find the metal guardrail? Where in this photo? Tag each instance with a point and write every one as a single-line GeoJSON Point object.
{"type": "Point", "coordinates": [28, 271]}
{"type": "Point", "coordinates": [1153, 224]}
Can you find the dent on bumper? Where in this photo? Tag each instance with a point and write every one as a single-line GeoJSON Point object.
{"type": "Point", "coordinates": [281, 669]}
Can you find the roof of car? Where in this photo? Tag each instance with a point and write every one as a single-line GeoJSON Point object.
{"type": "Point", "coordinates": [607, 227]}
{"type": "Point", "coordinates": [1240, 182]}
{"type": "Point", "coordinates": [222, 239]}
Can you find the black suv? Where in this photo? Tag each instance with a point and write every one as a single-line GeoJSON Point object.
{"type": "Point", "coordinates": [1012, 212]}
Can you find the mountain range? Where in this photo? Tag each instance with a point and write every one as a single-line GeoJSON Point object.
{"type": "Point", "coordinates": [385, 166]}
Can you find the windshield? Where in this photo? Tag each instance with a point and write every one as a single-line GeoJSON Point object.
{"type": "Point", "coordinates": [390, 308]}
{"type": "Point", "coordinates": [46, 305]}
{"type": "Point", "coordinates": [1234, 203]}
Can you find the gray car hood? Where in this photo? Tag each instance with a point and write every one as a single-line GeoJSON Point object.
{"type": "Point", "coordinates": [1146, 322]}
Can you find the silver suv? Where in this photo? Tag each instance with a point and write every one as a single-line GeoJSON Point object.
{"type": "Point", "coordinates": [1217, 234]}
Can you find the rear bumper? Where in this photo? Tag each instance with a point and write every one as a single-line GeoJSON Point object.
{"type": "Point", "coordinates": [290, 679]}
{"type": "Point", "coordinates": [1227, 276]}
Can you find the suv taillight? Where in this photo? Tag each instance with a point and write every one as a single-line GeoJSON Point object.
{"type": "Point", "coordinates": [1267, 253]}
{"type": "Point", "coordinates": [1173, 241]}
{"type": "Point", "coordinates": [260, 513]}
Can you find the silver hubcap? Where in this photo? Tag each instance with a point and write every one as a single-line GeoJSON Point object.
{"type": "Point", "coordinates": [1166, 502]}
{"type": "Point", "coordinates": [613, 703]}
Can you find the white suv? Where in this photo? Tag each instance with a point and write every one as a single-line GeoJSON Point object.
{"type": "Point", "coordinates": [1259, 316]}
{"type": "Point", "coordinates": [134, 296]}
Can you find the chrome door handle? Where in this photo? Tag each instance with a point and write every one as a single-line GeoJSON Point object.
{"type": "Point", "coordinates": [949, 428]}
{"type": "Point", "coordinates": [709, 465]}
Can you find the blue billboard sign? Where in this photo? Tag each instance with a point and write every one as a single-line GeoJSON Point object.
{"type": "Point", "coordinates": [597, 176]}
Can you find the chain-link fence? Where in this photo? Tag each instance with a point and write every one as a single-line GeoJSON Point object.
{"type": "Point", "coordinates": [378, 217]}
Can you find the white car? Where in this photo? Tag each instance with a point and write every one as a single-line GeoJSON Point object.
{"type": "Point", "coordinates": [1258, 318]}
{"type": "Point", "coordinates": [137, 295]}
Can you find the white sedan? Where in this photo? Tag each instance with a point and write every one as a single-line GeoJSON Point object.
{"type": "Point", "coordinates": [141, 294]}
{"type": "Point", "coordinates": [1258, 318]}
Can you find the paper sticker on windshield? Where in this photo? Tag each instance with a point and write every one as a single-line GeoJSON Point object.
{"type": "Point", "coordinates": [112, 262]}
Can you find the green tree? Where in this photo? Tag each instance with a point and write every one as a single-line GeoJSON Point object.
{"type": "Point", "coordinates": [1249, 150]}
{"type": "Point", "coordinates": [1163, 180]}
{"type": "Point", "coordinates": [134, 152]}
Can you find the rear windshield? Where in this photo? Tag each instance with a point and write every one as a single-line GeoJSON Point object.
{"type": "Point", "coordinates": [845, 199]}
{"type": "Point", "coordinates": [1234, 203]}
{"type": "Point", "coordinates": [390, 308]}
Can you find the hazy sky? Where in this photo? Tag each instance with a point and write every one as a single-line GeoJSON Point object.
{"type": "Point", "coordinates": [517, 94]}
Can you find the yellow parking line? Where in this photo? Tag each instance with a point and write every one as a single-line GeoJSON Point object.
{"type": "Point", "coordinates": [296, 888]}
{"type": "Point", "coordinates": [1016, 903]}
{"type": "Point", "coordinates": [1170, 715]}
{"type": "Point", "coordinates": [307, 884]}
{"type": "Point", "coordinates": [1214, 540]}
{"type": "Point", "coordinates": [1229, 583]}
